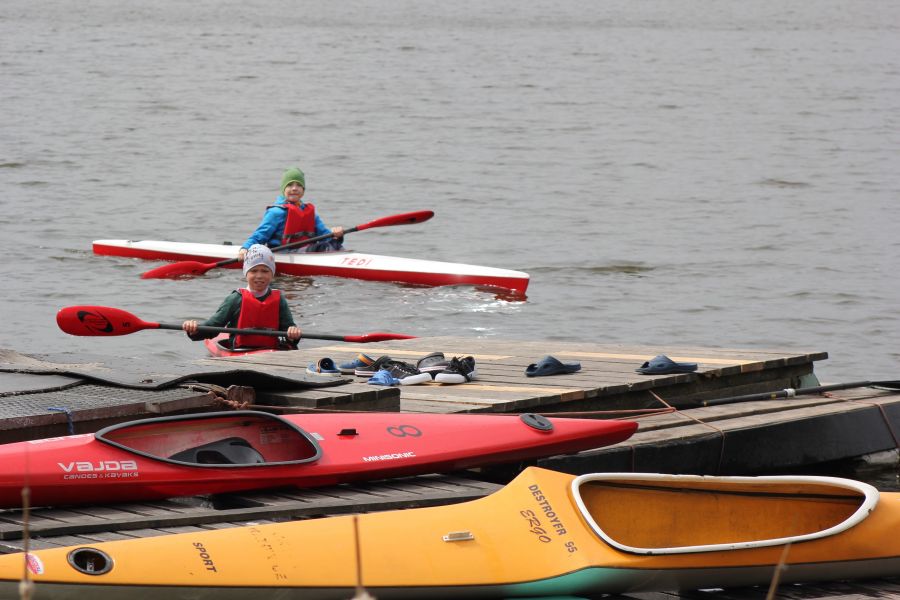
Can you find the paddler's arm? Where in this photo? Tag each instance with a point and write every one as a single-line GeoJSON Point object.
{"type": "Point", "coordinates": [225, 316]}
{"type": "Point", "coordinates": [321, 229]}
{"type": "Point", "coordinates": [270, 229]}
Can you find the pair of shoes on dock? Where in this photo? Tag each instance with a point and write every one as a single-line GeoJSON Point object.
{"type": "Point", "coordinates": [433, 367]}
{"type": "Point", "coordinates": [455, 370]}
{"type": "Point", "coordinates": [387, 371]}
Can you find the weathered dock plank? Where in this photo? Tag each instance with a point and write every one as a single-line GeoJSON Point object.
{"type": "Point", "coordinates": [354, 395]}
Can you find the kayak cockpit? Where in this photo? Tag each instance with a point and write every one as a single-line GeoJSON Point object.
{"type": "Point", "coordinates": [221, 346]}
{"type": "Point", "coordinates": [229, 451]}
{"type": "Point", "coordinates": [645, 513]}
{"type": "Point", "coordinates": [221, 439]}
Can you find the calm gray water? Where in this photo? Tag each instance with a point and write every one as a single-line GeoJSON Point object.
{"type": "Point", "coordinates": [673, 173]}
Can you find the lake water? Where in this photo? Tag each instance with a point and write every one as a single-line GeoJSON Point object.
{"type": "Point", "coordinates": [672, 173]}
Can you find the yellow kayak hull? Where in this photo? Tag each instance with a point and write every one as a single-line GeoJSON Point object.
{"type": "Point", "coordinates": [546, 533]}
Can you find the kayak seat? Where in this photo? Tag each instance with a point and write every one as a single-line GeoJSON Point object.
{"type": "Point", "coordinates": [229, 451]}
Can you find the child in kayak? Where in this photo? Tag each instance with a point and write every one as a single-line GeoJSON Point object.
{"type": "Point", "coordinates": [291, 220]}
{"type": "Point", "coordinates": [255, 307]}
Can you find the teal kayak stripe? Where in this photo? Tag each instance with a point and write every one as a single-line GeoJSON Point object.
{"type": "Point", "coordinates": [588, 580]}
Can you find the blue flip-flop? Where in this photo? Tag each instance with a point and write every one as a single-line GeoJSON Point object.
{"type": "Point", "coordinates": [663, 365]}
{"type": "Point", "coordinates": [383, 377]}
{"type": "Point", "coordinates": [550, 366]}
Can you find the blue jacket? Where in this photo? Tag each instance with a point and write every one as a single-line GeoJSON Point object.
{"type": "Point", "coordinates": [271, 229]}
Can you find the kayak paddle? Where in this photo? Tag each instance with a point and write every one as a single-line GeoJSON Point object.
{"type": "Point", "coordinates": [108, 321]}
{"type": "Point", "coordinates": [193, 268]}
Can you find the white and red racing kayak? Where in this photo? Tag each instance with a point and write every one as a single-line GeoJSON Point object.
{"type": "Point", "coordinates": [353, 265]}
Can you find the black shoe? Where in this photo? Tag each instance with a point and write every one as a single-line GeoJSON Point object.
{"type": "Point", "coordinates": [433, 364]}
{"type": "Point", "coordinates": [405, 372]}
{"type": "Point", "coordinates": [372, 368]}
{"type": "Point", "coordinates": [460, 370]}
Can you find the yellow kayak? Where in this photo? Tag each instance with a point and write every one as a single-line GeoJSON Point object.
{"type": "Point", "coordinates": [545, 533]}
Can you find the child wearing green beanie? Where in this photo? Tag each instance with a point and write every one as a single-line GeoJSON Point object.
{"type": "Point", "coordinates": [292, 220]}
{"type": "Point", "coordinates": [291, 175]}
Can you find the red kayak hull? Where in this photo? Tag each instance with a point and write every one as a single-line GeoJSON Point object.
{"type": "Point", "coordinates": [215, 348]}
{"type": "Point", "coordinates": [198, 454]}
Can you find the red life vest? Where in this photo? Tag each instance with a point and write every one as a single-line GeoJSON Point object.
{"type": "Point", "coordinates": [300, 223]}
{"type": "Point", "coordinates": [258, 315]}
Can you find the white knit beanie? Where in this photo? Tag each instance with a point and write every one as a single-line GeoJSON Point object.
{"type": "Point", "coordinates": [259, 255]}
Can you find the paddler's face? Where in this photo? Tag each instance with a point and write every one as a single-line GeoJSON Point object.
{"type": "Point", "coordinates": [259, 278]}
{"type": "Point", "coordinates": [293, 192]}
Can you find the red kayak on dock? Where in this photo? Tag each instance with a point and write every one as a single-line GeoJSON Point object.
{"type": "Point", "coordinates": [219, 452]}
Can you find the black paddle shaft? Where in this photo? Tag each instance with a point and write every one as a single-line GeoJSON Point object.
{"type": "Point", "coordinates": [291, 246]}
{"type": "Point", "coordinates": [270, 332]}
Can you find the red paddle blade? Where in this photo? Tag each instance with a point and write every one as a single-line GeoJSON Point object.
{"type": "Point", "coordinates": [377, 337]}
{"type": "Point", "coordinates": [179, 270]}
{"type": "Point", "coordinates": [99, 321]}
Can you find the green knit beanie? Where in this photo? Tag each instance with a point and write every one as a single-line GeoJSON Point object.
{"type": "Point", "coordinates": [292, 174]}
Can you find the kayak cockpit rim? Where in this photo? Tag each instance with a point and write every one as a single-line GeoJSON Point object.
{"type": "Point", "coordinates": [221, 346]}
{"type": "Point", "coordinates": [311, 450]}
{"type": "Point", "coordinates": [864, 495]}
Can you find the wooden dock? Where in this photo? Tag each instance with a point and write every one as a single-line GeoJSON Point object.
{"type": "Point", "coordinates": [40, 398]}
{"type": "Point", "coordinates": [607, 379]}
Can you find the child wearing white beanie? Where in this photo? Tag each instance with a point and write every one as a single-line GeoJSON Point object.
{"type": "Point", "coordinates": [259, 255]}
{"type": "Point", "coordinates": [257, 306]}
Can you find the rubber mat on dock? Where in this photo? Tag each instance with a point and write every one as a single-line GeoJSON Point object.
{"type": "Point", "coordinates": [150, 372]}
